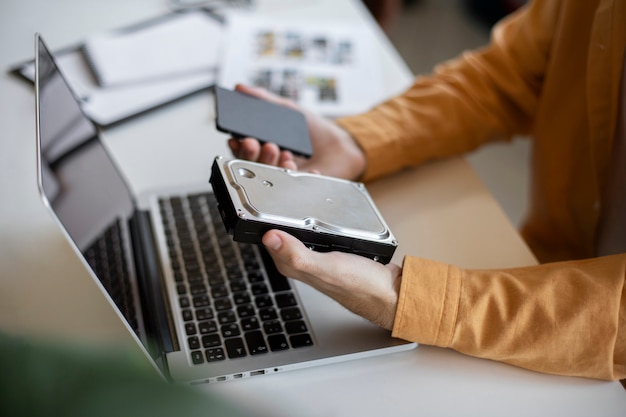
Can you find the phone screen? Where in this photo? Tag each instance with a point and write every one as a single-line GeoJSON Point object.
{"type": "Point", "coordinates": [245, 116]}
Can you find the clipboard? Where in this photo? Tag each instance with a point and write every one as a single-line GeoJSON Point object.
{"type": "Point", "coordinates": [109, 105]}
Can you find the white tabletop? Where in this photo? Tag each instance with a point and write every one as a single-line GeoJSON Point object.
{"type": "Point", "coordinates": [440, 211]}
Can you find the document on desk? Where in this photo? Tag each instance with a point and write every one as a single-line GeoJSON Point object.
{"type": "Point", "coordinates": [107, 106]}
{"type": "Point", "coordinates": [160, 84]}
{"type": "Point", "coordinates": [328, 67]}
{"type": "Point", "coordinates": [178, 45]}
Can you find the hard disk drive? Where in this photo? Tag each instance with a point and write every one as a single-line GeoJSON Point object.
{"type": "Point", "coordinates": [325, 213]}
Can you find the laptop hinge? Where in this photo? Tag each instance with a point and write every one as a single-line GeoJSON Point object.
{"type": "Point", "coordinates": [153, 302]}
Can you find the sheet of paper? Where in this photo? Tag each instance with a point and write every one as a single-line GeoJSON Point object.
{"type": "Point", "coordinates": [179, 44]}
{"type": "Point", "coordinates": [323, 65]}
{"type": "Point", "coordinates": [106, 106]}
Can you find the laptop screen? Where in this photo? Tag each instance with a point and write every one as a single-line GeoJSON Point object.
{"type": "Point", "coordinates": [82, 186]}
{"type": "Point", "coordinates": [78, 178]}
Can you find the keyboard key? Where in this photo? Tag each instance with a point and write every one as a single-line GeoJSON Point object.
{"type": "Point", "coordinates": [250, 323]}
{"type": "Point", "coordinates": [245, 311]}
{"type": "Point", "coordinates": [292, 313]}
{"type": "Point", "coordinates": [250, 263]}
{"type": "Point", "coordinates": [195, 278]}
{"type": "Point", "coordinates": [222, 304]}
{"type": "Point", "coordinates": [201, 300]}
{"type": "Point", "coordinates": [259, 288]}
{"type": "Point", "coordinates": [196, 357]}
{"type": "Point", "coordinates": [212, 267]}
{"type": "Point", "coordinates": [215, 278]}
{"type": "Point", "coordinates": [301, 340]}
{"type": "Point", "coordinates": [263, 301]}
{"type": "Point", "coordinates": [285, 300]}
{"type": "Point", "coordinates": [272, 326]}
{"type": "Point", "coordinates": [241, 298]}
{"type": "Point", "coordinates": [235, 348]}
{"type": "Point", "coordinates": [215, 354]}
{"type": "Point", "coordinates": [297, 326]}
{"type": "Point", "coordinates": [238, 285]}
{"type": "Point", "coordinates": [187, 315]}
{"type": "Point", "coordinates": [178, 276]}
{"type": "Point", "coordinates": [204, 313]}
{"type": "Point", "coordinates": [268, 314]}
{"type": "Point", "coordinates": [189, 256]}
{"type": "Point", "coordinates": [233, 272]}
{"type": "Point", "coordinates": [219, 291]}
{"type": "Point", "coordinates": [211, 340]}
{"type": "Point", "coordinates": [190, 329]}
{"type": "Point", "coordinates": [197, 289]}
{"type": "Point", "coordinates": [226, 317]}
{"type": "Point", "coordinates": [206, 327]}
{"type": "Point", "coordinates": [277, 342]}
{"type": "Point", "coordinates": [192, 267]}
{"type": "Point", "coordinates": [255, 276]}
{"type": "Point", "coordinates": [184, 302]}
{"type": "Point", "coordinates": [230, 330]}
{"type": "Point", "coordinates": [255, 342]}
{"type": "Point", "coordinates": [193, 342]}
{"type": "Point", "coordinates": [176, 201]}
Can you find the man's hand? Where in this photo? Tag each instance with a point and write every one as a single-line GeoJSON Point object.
{"type": "Point", "coordinates": [335, 153]}
{"type": "Point", "coordinates": [362, 285]}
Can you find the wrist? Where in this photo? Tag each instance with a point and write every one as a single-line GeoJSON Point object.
{"type": "Point", "coordinates": [356, 163]}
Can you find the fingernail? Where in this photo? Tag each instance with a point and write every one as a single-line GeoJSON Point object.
{"type": "Point", "coordinates": [271, 241]}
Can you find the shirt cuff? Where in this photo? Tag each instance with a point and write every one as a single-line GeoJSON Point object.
{"type": "Point", "coordinates": [374, 136]}
{"type": "Point", "coordinates": [428, 303]}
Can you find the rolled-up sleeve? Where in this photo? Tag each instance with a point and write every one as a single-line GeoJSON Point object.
{"type": "Point", "coordinates": [566, 318]}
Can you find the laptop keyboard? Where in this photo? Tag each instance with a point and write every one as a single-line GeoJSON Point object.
{"type": "Point", "coordinates": [232, 303]}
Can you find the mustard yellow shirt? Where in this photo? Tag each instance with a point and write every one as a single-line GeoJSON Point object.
{"type": "Point", "coordinates": [551, 71]}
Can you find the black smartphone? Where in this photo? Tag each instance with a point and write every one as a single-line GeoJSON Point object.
{"type": "Point", "coordinates": [243, 115]}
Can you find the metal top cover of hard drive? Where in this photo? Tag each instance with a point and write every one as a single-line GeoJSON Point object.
{"type": "Point", "coordinates": [326, 213]}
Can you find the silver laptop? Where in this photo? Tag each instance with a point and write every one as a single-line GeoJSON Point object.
{"type": "Point", "coordinates": [202, 307]}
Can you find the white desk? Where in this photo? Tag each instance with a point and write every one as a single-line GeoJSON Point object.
{"type": "Point", "coordinates": [428, 209]}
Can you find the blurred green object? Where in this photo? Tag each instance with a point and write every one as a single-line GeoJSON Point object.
{"type": "Point", "coordinates": [44, 379]}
